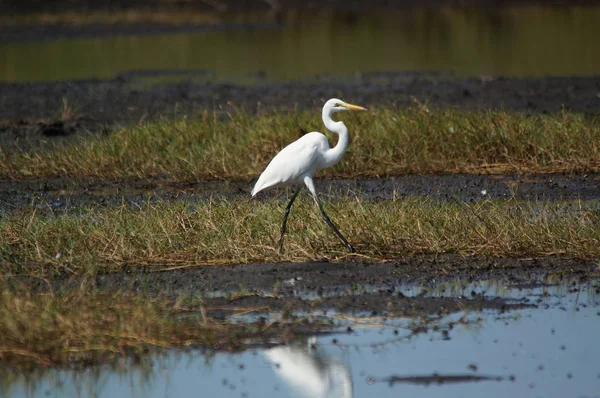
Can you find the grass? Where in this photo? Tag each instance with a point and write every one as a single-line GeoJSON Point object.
{"type": "Point", "coordinates": [384, 142]}
{"type": "Point", "coordinates": [85, 327]}
{"type": "Point", "coordinates": [97, 240]}
{"type": "Point", "coordinates": [82, 325]}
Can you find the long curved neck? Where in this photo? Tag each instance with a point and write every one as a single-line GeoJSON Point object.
{"type": "Point", "coordinates": [335, 154]}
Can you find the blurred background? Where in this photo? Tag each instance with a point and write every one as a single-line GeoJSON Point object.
{"type": "Point", "coordinates": [96, 65]}
{"type": "Point", "coordinates": [256, 41]}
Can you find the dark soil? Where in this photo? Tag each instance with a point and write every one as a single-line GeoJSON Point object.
{"type": "Point", "coordinates": [322, 278]}
{"type": "Point", "coordinates": [99, 106]}
{"type": "Point", "coordinates": [371, 288]}
{"type": "Point", "coordinates": [349, 287]}
{"type": "Point", "coordinates": [61, 194]}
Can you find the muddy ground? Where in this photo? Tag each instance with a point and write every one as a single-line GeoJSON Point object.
{"type": "Point", "coordinates": [34, 113]}
{"type": "Point", "coordinates": [60, 194]}
{"type": "Point", "coordinates": [28, 110]}
{"type": "Point", "coordinates": [350, 286]}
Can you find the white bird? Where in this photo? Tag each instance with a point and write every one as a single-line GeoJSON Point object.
{"type": "Point", "coordinates": [299, 161]}
{"type": "Point", "coordinates": [311, 374]}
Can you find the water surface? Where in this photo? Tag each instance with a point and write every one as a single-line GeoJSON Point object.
{"type": "Point", "coordinates": [549, 350]}
{"type": "Point", "coordinates": [515, 41]}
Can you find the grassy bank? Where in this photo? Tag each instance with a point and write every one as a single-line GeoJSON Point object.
{"type": "Point", "coordinates": [384, 142]}
{"type": "Point", "coordinates": [82, 325]}
{"type": "Point", "coordinates": [86, 327]}
{"type": "Point", "coordinates": [95, 240]}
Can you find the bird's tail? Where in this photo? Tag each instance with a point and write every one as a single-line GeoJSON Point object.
{"type": "Point", "coordinates": [260, 185]}
{"type": "Point", "coordinates": [257, 188]}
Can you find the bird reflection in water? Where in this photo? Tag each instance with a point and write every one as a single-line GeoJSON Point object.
{"type": "Point", "coordinates": [313, 374]}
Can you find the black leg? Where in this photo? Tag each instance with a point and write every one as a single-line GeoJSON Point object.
{"type": "Point", "coordinates": [285, 217]}
{"type": "Point", "coordinates": [332, 226]}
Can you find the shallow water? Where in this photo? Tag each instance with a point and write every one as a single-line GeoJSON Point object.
{"type": "Point", "coordinates": [548, 350]}
{"type": "Point", "coordinates": [514, 41]}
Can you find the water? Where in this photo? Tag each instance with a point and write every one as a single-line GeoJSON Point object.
{"type": "Point", "coordinates": [515, 41]}
{"type": "Point", "coordinates": [550, 350]}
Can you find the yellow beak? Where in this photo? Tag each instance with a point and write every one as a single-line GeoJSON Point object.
{"type": "Point", "coordinates": [351, 107]}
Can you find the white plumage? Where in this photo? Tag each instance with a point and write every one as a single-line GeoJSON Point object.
{"type": "Point", "coordinates": [299, 161]}
{"type": "Point", "coordinates": [311, 374]}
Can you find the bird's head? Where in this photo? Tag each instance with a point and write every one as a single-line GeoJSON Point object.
{"type": "Point", "coordinates": [337, 105]}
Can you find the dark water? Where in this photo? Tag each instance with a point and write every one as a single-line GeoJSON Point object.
{"type": "Point", "coordinates": [517, 41]}
{"type": "Point", "coordinates": [549, 350]}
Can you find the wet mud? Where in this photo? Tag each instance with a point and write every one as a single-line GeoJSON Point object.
{"type": "Point", "coordinates": [545, 347]}
{"type": "Point", "coordinates": [60, 194]}
{"type": "Point", "coordinates": [407, 287]}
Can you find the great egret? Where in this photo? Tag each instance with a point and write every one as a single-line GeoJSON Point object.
{"type": "Point", "coordinates": [299, 161]}
{"type": "Point", "coordinates": [311, 373]}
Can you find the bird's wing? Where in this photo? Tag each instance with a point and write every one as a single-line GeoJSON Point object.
{"type": "Point", "coordinates": [293, 162]}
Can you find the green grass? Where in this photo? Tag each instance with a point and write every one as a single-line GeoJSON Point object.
{"type": "Point", "coordinates": [97, 240]}
{"type": "Point", "coordinates": [384, 142]}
